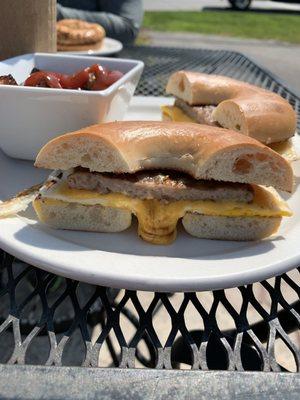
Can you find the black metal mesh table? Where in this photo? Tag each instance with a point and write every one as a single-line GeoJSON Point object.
{"type": "Point", "coordinates": [53, 321]}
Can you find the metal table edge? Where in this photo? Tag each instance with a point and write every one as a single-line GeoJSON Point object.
{"type": "Point", "coordinates": [40, 382]}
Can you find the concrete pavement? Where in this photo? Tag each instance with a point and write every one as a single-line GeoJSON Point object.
{"type": "Point", "coordinates": [203, 4]}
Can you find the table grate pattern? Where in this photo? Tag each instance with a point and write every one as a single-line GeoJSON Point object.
{"type": "Point", "coordinates": [160, 62]}
{"type": "Point", "coordinates": [48, 320]}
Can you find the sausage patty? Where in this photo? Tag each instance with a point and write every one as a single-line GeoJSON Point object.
{"type": "Point", "coordinates": [201, 114]}
{"type": "Point", "coordinates": [167, 186]}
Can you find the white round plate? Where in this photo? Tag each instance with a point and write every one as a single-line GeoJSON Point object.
{"type": "Point", "coordinates": [109, 46]}
{"type": "Point", "coordinates": [124, 261]}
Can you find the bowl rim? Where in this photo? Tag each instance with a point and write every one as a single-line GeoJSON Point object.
{"type": "Point", "coordinates": [137, 66]}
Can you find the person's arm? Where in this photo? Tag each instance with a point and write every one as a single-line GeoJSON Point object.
{"type": "Point", "coordinates": [121, 19]}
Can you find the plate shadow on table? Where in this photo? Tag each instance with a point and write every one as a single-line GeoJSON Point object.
{"type": "Point", "coordinates": [128, 243]}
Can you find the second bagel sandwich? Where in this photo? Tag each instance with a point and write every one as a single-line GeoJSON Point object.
{"type": "Point", "coordinates": [222, 101]}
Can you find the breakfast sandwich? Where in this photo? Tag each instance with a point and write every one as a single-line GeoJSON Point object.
{"type": "Point", "coordinates": [219, 183]}
{"type": "Point", "coordinates": [225, 102]}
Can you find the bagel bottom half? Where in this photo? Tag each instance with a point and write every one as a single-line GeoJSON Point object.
{"type": "Point", "coordinates": [76, 216]}
{"type": "Point", "coordinates": [96, 218]}
{"type": "Point", "coordinates": [230, 228]}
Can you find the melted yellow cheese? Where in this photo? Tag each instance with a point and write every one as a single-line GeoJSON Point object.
{"type": "Point", "coordinates": [158, 220]}
{"type": "Point", "coordinates": [175, 114]}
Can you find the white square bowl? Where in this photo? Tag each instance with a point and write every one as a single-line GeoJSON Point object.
{"type": "Point", "coordinates": [31, 116]}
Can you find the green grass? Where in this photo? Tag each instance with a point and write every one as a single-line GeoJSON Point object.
{"type": "Point", "coordinates": [281, 27]}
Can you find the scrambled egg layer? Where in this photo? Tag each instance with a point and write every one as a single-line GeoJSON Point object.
{"type": "Point", "coordinates": [157, 220]}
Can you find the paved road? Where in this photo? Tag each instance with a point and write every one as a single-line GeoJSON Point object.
{"type": "Point", "coordinates": [202, 4]}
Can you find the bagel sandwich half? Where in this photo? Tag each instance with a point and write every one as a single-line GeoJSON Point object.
{"type": "Point", "coordinates": [218, 183]}
{"type": "Point", "coordinates": [225, 102]}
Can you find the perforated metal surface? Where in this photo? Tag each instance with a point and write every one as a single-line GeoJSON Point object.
{"type": "Point", "coordinates": [49, 320]}
{"type": "Point", "coordinates": [55, 321]}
